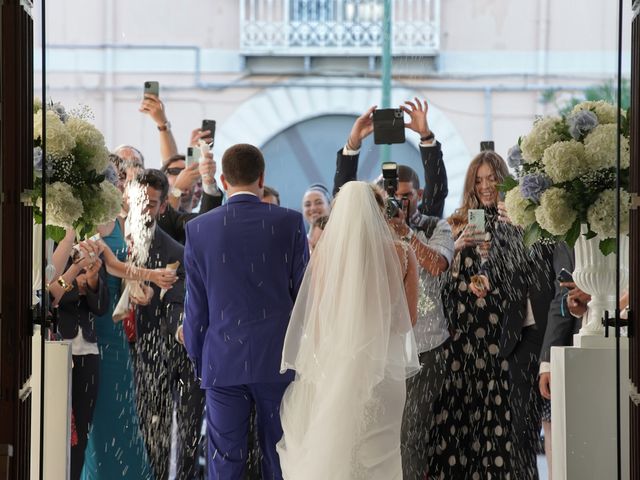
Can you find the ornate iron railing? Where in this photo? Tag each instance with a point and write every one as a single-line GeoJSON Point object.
{"type": "Point", "coordinates": [337, 27]}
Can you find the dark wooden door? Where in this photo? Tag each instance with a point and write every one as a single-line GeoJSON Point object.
{"type": "Point", "coordinates": [16, 176]}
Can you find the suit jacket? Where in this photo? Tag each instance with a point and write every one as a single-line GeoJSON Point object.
{"type": "Point", "coordinates": [521, 273]}
{"type": "Point", "coordinates": [561, 324]}
{"type": "Point", "coordinates": [172, 221]}
{"type": "Point", "coordinates": [435, 177]}
{"type": "Point", "coordinates": [245, 262]}
{"type": "Point", "coordinates": [75, 310]}
{"type": "Point", "coordinates": [162, 317]}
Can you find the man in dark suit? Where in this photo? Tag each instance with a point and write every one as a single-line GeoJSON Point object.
{"type": "Point", "coordinates": [524, 325]}
{"type": "Point", "coordinates": [244, 262]}
{"type": "Point", "coordinates": [162, 368]}
{"type": "Point", "coordinates": [173, 219]}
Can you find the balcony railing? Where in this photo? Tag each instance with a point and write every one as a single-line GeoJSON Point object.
{"type": "Point", "coordinates": [337, 27]}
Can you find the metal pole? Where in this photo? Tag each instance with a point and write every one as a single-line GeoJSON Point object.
{"type": "Point", "coordinates": [386, 69]}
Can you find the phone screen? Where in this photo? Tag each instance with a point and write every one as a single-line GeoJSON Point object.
{"type": "Point", "coordinates": [476, 219]}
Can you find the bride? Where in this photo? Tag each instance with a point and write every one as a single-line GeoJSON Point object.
{"type": "Point", "coordinates": [351, 344]}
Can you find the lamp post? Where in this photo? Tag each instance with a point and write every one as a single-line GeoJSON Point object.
{"type": "Point", "coordinates": [386, 68]}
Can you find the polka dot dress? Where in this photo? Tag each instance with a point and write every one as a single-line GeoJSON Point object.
{"type": "Point", "coordinates": [471, 435]}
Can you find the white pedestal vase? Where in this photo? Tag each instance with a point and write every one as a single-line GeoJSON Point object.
{"type": "Point", "coordinates": [595, 274]}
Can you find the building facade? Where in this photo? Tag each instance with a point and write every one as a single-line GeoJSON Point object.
{"type": "Point", "coordinates": [291, 75]}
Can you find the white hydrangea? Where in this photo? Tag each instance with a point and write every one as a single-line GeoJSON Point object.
{"type": "Point", "coordinates": [543, 134]}
{"type": "Point", "coordinates": [104, 206]}
{"type": "Point", "coordinates": [37, 105]}
{"type": "Point", "coordinates": [63, 207]}
{"type": "Point", "coordinates": [60, 142]}
{"type": "Point", "coordinates": [555, 214]}
{"type": "Point", "coordinates": [605, 112]}
{"type": "Point", "coordinates": [89, 144]}
{"type": "Point", "coordinates": [600, 147]}
{"type": "Point", "coordinates": [601, 215]}
{"type": "Point", "coordinates": [564, 161]}
{"type": "Point", "coordinates": [517, 208]}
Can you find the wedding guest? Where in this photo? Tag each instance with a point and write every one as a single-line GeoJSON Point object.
{"type": "Point", "coordinates": [154, 107]}
{"type": "Point", "coordinates": [81, 294]}
{"type": "Point", "coordinates": [316, 203]}
{"type": "Point", "coordinates": [271, 195]}
{"type": "Point", "coordinates": [172, 220]}
{"type": "Point", "coordinates": [471, 437]}
{"type": "Point", "coordinates": [162, 370]}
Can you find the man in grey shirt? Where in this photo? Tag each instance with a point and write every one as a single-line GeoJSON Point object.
{"type": "Point", "coordinates": [434, 247]}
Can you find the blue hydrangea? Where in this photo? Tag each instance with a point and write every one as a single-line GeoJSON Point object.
{"type": "Point", "coordinates": [514, 156]}
{"type": "Point", "coordinates": [533, 186]}
{"type": "Point", "coordinates": [581, 123]}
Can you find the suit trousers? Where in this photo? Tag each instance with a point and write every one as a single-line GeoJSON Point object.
{"type": "Point", "coordinates": [525, 404]}
{"type": "Point", "coordinates": [422, 391]}
{"type": "Point", "coordinates": [84, 392]}
{"type": "Point", "coordinates": [228, 418]}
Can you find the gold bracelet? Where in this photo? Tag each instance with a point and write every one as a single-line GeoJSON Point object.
{"type": "Point", "coordinates": [65, 286]}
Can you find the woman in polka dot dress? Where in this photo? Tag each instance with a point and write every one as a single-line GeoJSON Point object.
{"type": "Point", "coordinates": [471, 436]}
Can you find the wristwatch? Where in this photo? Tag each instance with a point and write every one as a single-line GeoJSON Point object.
{"type": "Point", "coordinates": [176, 192]}
{"type": "Point", "coordinates": [165, 127]}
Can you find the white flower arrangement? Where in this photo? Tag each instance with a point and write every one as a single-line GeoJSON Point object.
{"type": "Point", "coordinates": [544, 134]}
{"type": "Point", "coordinates": [517, 206]}
{"type": "Point", "coordinates": [566, 176]}
{"type": "Point", "coordinates": [75, 162]}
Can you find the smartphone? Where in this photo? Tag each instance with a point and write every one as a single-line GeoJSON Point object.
{"type": "Point", "coordinates": [211, 126]}
{"type": "Point", "coordinates": [565, 276]}
{"type": "Point", "coordinates": [476, 219]}
{"type": "Point", "coordinates": [388, 126]}
{"type": "Point", "coordinates": [487, 145]}
{"type": "Point", "coordinates": [193, 156]}
{"type": "Point", "coordinates": [152, 87]}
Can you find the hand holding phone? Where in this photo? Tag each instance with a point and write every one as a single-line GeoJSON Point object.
{"type": "Point", "coordinates": [476, 220]}
{"type": "Point", "coordinates": [388, 126]}
{"type": "Point", "coordinates": [209, 125]}
{"type": "Point", "coordinates": [152, 87]}
{"type": "Point", "coordinates": [193, 156]}
{"type": "Point", "coordinates": [565, 276]}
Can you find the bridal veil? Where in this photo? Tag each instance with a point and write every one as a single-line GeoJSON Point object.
{"type": "Point", "coordinates": [349, 331]}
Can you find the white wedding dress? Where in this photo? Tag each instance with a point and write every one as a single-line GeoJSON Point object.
{"type": "Point", "coordinates": [351, 344]}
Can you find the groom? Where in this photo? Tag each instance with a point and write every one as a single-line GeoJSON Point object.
{"type": "Point", "coordinates": [244, 263]}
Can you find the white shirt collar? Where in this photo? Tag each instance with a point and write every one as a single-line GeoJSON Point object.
{"type": "Point", "coordinates": [243, 193]}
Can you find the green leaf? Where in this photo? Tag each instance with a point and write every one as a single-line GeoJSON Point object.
{"type": "Point", "coordinates": [507, 184]}
{"type": "Point", "coordinates": [608, 246]}
{"type": "Point", "coordinates": [574, 232]}
{"type": "Point", "coordinates": [590, 234]}
{"type": "Point", "coordinates": [531, 206]}
{"type": "Point", "coordinates": [55, 233]}
{"type": "Point", "coordinates": [532, 234]}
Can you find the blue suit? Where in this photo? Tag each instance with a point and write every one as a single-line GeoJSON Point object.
{"type": "Point", "coordinates": [244, 264]}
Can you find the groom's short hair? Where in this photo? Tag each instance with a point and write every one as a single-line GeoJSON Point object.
{"type": "Point", "coordinates": [242, 164]}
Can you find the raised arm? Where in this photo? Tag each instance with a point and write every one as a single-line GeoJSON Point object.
{"type": "Point", "coordinates": [153, 106]}
{"type": "Point", "coordinates": [347, 160]}
{"type": "Point", "coordinates": [435, 174]}
{"type": "Point", "coordinates": [162, 277]}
